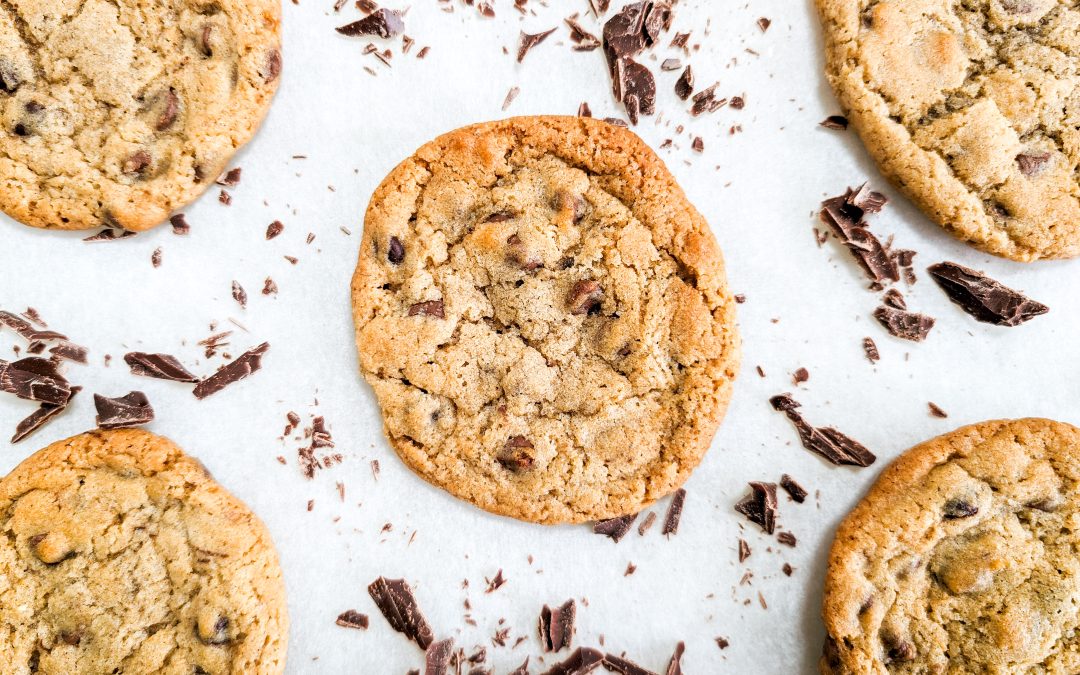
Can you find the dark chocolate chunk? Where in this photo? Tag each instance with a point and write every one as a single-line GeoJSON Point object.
{"type": "Point", "coordinates": [959, 508]}
{"type": "Point", "coordinates": [722, 643]}
{"type": "Point", "coordinates": [763, 23]}
{"type": "Point", "coordinates": [684, 86]}
{"type": "Point", "coordinates": [129, 410]}
{"type": "Point", "coordinates": [838, 122]}
{"type": "Point", "coordinates": [433, 308]}
{"type": "Point", "coordinates": [584, 110]}
{"type": "Point", "coordinates": [234, 371]}
{"type": "Point", "coordinates": [698, 144]}
{"type": "Point", "coordinates": [796, 491]}
{"type": "Point", "coordinates": [395, 252]}
{"type": "Point", "coordinates": [161, 366]}
{"type": "Point", "coordinates": [274, 229]}
{"type": "Point", "coordinates": [674, 512]}
{"type": "Point", "coordinates": [844, 215]}
{"type": "Point", "coordinates": [1031, 163]}
{"type": "Point", "coordinates": [516, 454]}
{"type": "Point", "coordinates": [984, 298]}
{"type": "Point", "coordinates": [675, 665]}
{"type": "Point", "coordinates": [230, 178]}
{"type": "Point", "coordinates": [584, 296]}
{"type": "Point", "coordinates": [787, 539]}
{"type": "Point", "coordinates": [894, 298]}
{"type": "Point", "coordinates": [395, 600]}
{"type": "Point", "coordinates": [759, 506]}
{"type": "Point", "coordinates": [624, 666]}
{"type": "Point", "coordinates": [936, 410]}
{"type": "Point", "coordinates": [903, 324]}
{"type": "Point", "coordinates": [437, 657]}
{"type": "Point", "coordinates": [801, 375]}
{"type": "Point", "coordinates": [137, 163]}
{"type": "Point", "coordinates": [825, 441]}
{"type": "Point", "coordinates": [351, 618]}
{"type": "Point", "coordinates": [179, 224]}
{"type": "Point", "coordinates": [897, 650]}
{"type": "Point", "coordinates": [40, 417]}
{"type": "Point", "coordinates": [557, 626]}
{"type": "Point", "coordinates": [35, 379]}
{"type": "Point", "coordinates": [870, 347]}
{"type": "Point", "coordinates": [615, 528]}
{"type": "Point", "coordinates": [384, 23]}
{"type": "Point", "coordinates": [527, 41]}
{"type": "Point", "coordinates": [583, 660]}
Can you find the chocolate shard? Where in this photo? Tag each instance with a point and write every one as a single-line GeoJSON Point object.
{"type": "Point", "coordinates": [675, 665]}
{"type": "Point", "coordinates": [384, 23]}
{"type": "Point", "coordinates": [437, 657]}
{"type": "Point", "coordinates": [787, 539]}
{"type": "Point", "coordinates": [40, 417]}
{"type": "Point", "coordinates": [129, 410]}
{"type": "Point", "coordinates": [351, 618]}
{"type": "Point", "coordinates": [35, 379]}
{"type": "Point", "coordinates": [674, 512]}
{"type": "Point", "coordinates": [984, 298]}
{"type": "Point", "coordinates": [523, 669]}
{"type": "Point", "coordinates": [583, 660]}
{"type": "Point", "coordinates": [161, 366]}
{"type": "Point", "coordinates": [109, 234]}
{"type": "Point", "coordinates": [234, 371]}
{"type": "Point", "coordinates": [744, 550]}
{"type": "Point", "coordinates": [936, 410]}
{"type": "Point", "coordinates": [395, 600]}
{"type": "Point", "coordinates": [624, 666]}
{"type": "Point", "coordinates": [903, 324]}
{"type": "Point", "coordinates": [759, 506]}
{"type": "Point", "coordinates": [556, 626]}
{"type": "Point", "coordinates": [837, 122]}
{"type": "Point", "coordinates": [615, 528]}
{"type": "Point", "coordinates": [825, 441]}
{"type": "Point", "coordinates": [527, 41]}
{"type": "Point", "coordinates": [844, 216]}
{"type": "Point", "coordinates": [684, 86]}
{"type": "Point", "coordinates": [794, 490]}
{"type": "Point", "coordinates": [230, 178]}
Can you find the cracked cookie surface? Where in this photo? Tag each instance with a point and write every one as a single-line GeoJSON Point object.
{"type": "Point", "coordinates": [121, 554]}
{"type": "Point", "coordinates": [116, 112]}
{"type": "Point", "coordinates": [972, 107]}
{"type": "Point", "coordinates": [962, 558]}
{"type": "Point", "coordinates": [544, 319]}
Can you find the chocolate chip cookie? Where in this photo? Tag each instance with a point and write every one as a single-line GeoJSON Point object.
{"type": "Point", "coordinates": [972, 107]}
{"type": "Point", "coordinates": [962, 558]}
{"type": "Point", "coordinates": [121, 554]}
{"type": "Point", "coordinates": [117, 112]}
{"type": "Point", "coordinates": [544, 319]}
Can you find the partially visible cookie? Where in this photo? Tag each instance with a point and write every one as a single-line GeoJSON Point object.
{"type": "Point", "coordinates": [120, 554]}
{"type": "Point", "coordinates": [116, 113]}
{"type": "Point", "coordinates": [544, 319]}
{"type": "Point", "coordinates": [972, 108]}
{"type": "Point", "coordinates": [963, 558]}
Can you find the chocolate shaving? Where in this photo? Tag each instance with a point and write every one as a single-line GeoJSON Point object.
{"type": "Point", "coordinates": [684, 86]}
{"type": "Point", "coordinates": [583, 660]}
{"type": "Point", "coordinates": [825, 441]}
{"type": "Point", "coordinates": [763, 23]}
{"type": "Point", "coordinates": [351, 618]}
{"type": "Point", "coordinates": [557, 626]}
{"type": "Point", "coordinates": [274, 229]}
{"type": "Point", "coordinates": [903, 324]}
{"type": "Point", "coordinates": [787, 539]}
{"type": "Point", "coordinates": [675, 665]}
{"type": "Point", "coordinates": [244, 365]}
{"type": "Point", "coordinates": [983, 298]}
{"type": "Point", "coordinates": [759, 506]}
{"type": "Point", "coordinates": [583, 40]}
{"type": "Point", "coordinates": [523, 669]}
{"type": "Point", "coordinates": [384, 23]}
{"type": "Point", "coordinates": [870, 347]}
{"type": "Point", "coordinates": [624, 666]}
{"type": "Point", "coordinates": [794, 490]}
{"type": "Point", "coordinates": [895, 299]}
{"type": "Point", "coordinates": [35, 379]}
{"type": "Point", "coordinates": [674, 512]}
{"type": "Point", "coordinates": [161, 366]}
{"type": "Point", "coordinates": [395, 600]}
{"type": "Point", "coordinates": [837, 122]}
{"type": "Point", "coordinates": [801, 375]}
{"type": "Point", "coordinates": [615, 528]}
{"type": "Point", "coordinates": [495, 583]}
{"type": "Point", "coordinates": [936, 410]}
{"type": "Point", "coordinates": [527, 41]}
{"type": "Point", "coordinates": [40, 417]}
{"type": "Point", "coordinates": [129, 410]}
{"type": "Point", "coordinates": [437, 657]}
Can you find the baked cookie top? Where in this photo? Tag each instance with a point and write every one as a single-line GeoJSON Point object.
{"type": "Point", "coordinates": [544, 319]}
{"type": "Point", "coordinates": [962, 558]}
{"type": "Point", "coordinates": [117, 112]}
{"type": "Point", "coordinates": [121, 555]}
{"type": "Point", "coordinates": [972, 107]}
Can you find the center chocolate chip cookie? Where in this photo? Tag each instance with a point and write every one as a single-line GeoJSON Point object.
{"type": "Point", "coordinates": [117, 112]}
{"type": "Point", "coordinates": [120, 554]}
{"type": "Point", "coordinates": [544, 319]}
{"type": "Point", "coordinates": [963, 558]}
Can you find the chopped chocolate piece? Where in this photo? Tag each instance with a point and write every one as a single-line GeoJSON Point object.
{"type": "Point", "coordinates": [825, 441]}
{"type": "Point", "coordinates": [675, 665]}
{"type": "Point", "coordinates": [870, 347]}
{"type": "Point", "coordinates": [787, 569]}
{"type": "Point", "coordinates": [615, 528]}
{"type": "Point", "coordinates": [437, 657]}
{"type": "Point", "coordinates": [320, 437]}
{"type": "Point", "coordinates": [274, 229]}
{"type": "Point", "coordinates": [224, 197]}
{"type": "Point", "coordinates": [837, 122]}
{"type": "Point", "coordinates": [936, 410]}
{"type": "Point", "coordinates": [351, 618]}
{"type": "Point", "coordinates": [584, 296]}
{"type": "Point", "coordinates": [230, 178]}
{"type": "Point", "coordinates": [40, 417]}
{"type": "Point", "coordinates": [395, 252]}
{"type": "Point", "coordinates": [269, 287]}
{"type": "Point", "coordinates": [759, 506]}
{"type": "Point", "coordinates": [161, 366]}
{"type": "Point", "coordinates": [583, 40]}
{"type": "Point", "coordinates": [895, 299]}
{"type": "Point", "coordinates": [583, 660]}
{"type": "Point", "coordinates": [384, 23]}
{"type": "Point", "coordinates": [738, 103]}
{"type": "Point", "coordinates": [801, 375]}
{"type": "Point", "coordinates": [722, 643]}
{"type": "Point", "coordinates": [129, 410]}
{"type": "Point", "coordinates": [671, 64]}
{"type": "Point", "coordinates": [395, 600]}
{"type": "Point", "coordinates": [794, 490]}
{"type": "Point", "coordinates": [516, 454]}
{"type": "Point", "coordinates": [557, 626]}
{"type": "Point", "coordinates": [110, 234]}
{"type": "Point", "coordinates": [674, 513]}
{"type": "Point", "coordinates": [844, 215]}
{"type": "Point", "coordinates": [1032, 163]}
{"type": "Point", "coordinates": [527, 41]}
{"type": "Point", "coordinates": [697, 145]}
{"type": "Point", "coordinates": [638, 87]}
{"type": "Point", "coordinates": [584, 110]}
{"type": "Point", "coordinates": [523, 669]}
{"type": "Point", "coordinates": [429, 308]}
{"type": "Point", "coordinates": [787, 539]}
{"type": "Point", "coordinates": [684, 86]}
{"type": "Point", "coordinates": [155, 257]}
{"type": "Point", "coordinates": [495, 583]}
{"type": "Point", "coordinates": [35, 379]}
{"type": "Point", "coordinates": [179, 224]}
{"type": "Point", "coordinates": [239, 294]}
{"type": "Point", "coordinates": [647, 523]}
{"type": "Point", "coordinates": [763, 23]}
{"type": "Point", "coordinates": [234, 371]}
{"type": "Point", "coordinates": [984, 298]}
{"type": "Point", "coordinates": [905, 325]}
{"type": "Point", "coordinates": [69, 351]}
{"type": "Point", "coordinates": [744, 550]}
{"type": "Point", "coordinates": [511, 94]}
{"type": "Point", "coordinates": [624, 666]}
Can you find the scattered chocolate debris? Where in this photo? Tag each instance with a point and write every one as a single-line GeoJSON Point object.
{"type": "Point", "coordinates": [825, 441]}
{"type": "Point", "coordinates": [801, 375]}
{"type": "Point", "coordinates": [936, 410]}
{"type": "Point", "coordinates": [903, 324]}
{"type": "Point", "coordinates": [763, 23]}
{"type": "Point", "coordinates": [584, 110]}
{"type": "Point", "coordinates": [155, 257]}
{"type": "Point", "coordinates": [738, 102]}
{"type": "Point", "coordinates": [351, 618]}
{"type": "Point", "coordinates": [674, 513]}
{"type": "Point", "coordinates": [179, 224]}
{"type": "Point", "coordinates": [984, 298]}
{"type": "Point", "coordinates": [675, 665]}
{"type": "Point", "coordinates": [383, 23]}
{"type": "Point", "coordinates": [630, 569]}
{"type": "Point", "coordinates": [239, 294]}
{"type": "Point", "coordinates": [225, 198]}
{"type": "Point", "coordinates": [161, 366]}
{"type": "Point", "coordinates": [744, 550]}
{"type": "Point", "coordinates": [274, 229]}
{"type": "Point", "coordinates": [670, 64]}
{"type": "Point", "coordinates": [705, 101]}
{"type": "Point", "coordinates": [582, 660]}
{"type": "Point", "coordinates": [35, 379]}
{"type": "Point", "coordinates": [684, 86]}
{"type": "Point", "coordinates": [523, 669]}
{"type": "Point", "coordinates": [495, 582]}
{"type": "Point", "coordinates": [616, 528]}
{"type": "Point", "coordinates": [527, 41]}
{"type": "Point", "coordinates": [230, 178]}
{"type": "Point", "coordinates": [110, 234]}
{"type": "Point", "coordinates": [397, 603]}
{"type": "Point", "coordinates": [40, 417]}
{"type": "Point", "coordinates": [626, 34]}
{"type": "Point", "coordinates": [837, 122]}
{"type": "Point", "coordinates": [794, 490]}
{"type": "Point", "coordinates": [786, 538]}
{"type": "Point", "coordinates": [129, 410]}
{"type": "Point", "coordinates": [844, 215]}
{"type": "Point", "coordinates": [759, 506]}
{"type": "Point", "coordinates": [557, 626]}
{"type": "Point", "coordinates": [870, 347]}
{"type": "Point", "coordinates": [244, 365]}
{"type": "Point", "coordinates": [437, 657]}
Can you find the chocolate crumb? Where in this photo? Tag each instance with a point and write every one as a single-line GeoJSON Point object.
{"type": "Point", "coordinates": [225, 198]}
{"type": "Point", "coordinates": [230, 178]}
{"type": "Point", "coordinates": [794, 490]}
{"type": "Point", "coordinates": [556, 626]}
{"type": "Point", "coordinates": [239, 294]}
{"type": "Point", "coordinates": [763, 23]}
{"type": "Point", "coordinates": [684, 86]}
{"type": "Point", "coordinates": [615, 528]}
{"type": "Point", "coordinates": [269, 287]}
{"type": "Point", "coordinates": [983, 298]}
{"type": "Point", "coordinates": [759, 506]}
{"type": "Point", "coordinates": [155, 257]}
{"type": "Point", "coordinates": [787, 539]}
{"type": "Point", "coordinates": [179, 224]}
{"type": "Point", "coordinates": [824, 441]}
{"type": "Point", "coordinates": [351, 618]}
{"type": "Point", "coordinates": [130, 410]}
{"type": "Point", "coordinates": [836, 122]}
{"type": "Point", "coordinates": [787, 569]}
{"type": "Point", "coordinates": [698, 144]}
{"type": "Point", "coordinates": [274, 229]}
{"type": "Point", "coordinates": [396, 601]}
{"type": "Point", "coordinates": [647, 523]}
{"type": "Point", "coordinates": [674, 513]}
{"type": "Point", "coordinates": [161, 366]}
{"type": "Point", "coordinates": [40, 417]}
{"type": "Point", "coordinates": [495, 583]}
{"type": "Point", "coordinates": [801, 375]}
{"type": "Point", "coordinates": [722, 643]}
{"type": "Point", "coordinates": [936, 411]}
{"type": "Point", "coordinates": [510, 96]}
{"type": "Point", "coordinates": [234, 371]}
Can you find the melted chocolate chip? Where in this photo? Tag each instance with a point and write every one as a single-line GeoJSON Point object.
{"type": "Point", "coordinates": [1032, 163]}
{"type": "Point", "coordinates": [166, 107]}
{"type": "Point", "coordinates": [959, 508]}
{"type": "Point", "coordinates": [584, 296]}
{"type": "Point", "coordinates": [395, 253]}
{"type": "Point", "coordinates": [137, 163]}
{"type": "Point", "coordinates": [516, 454]}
